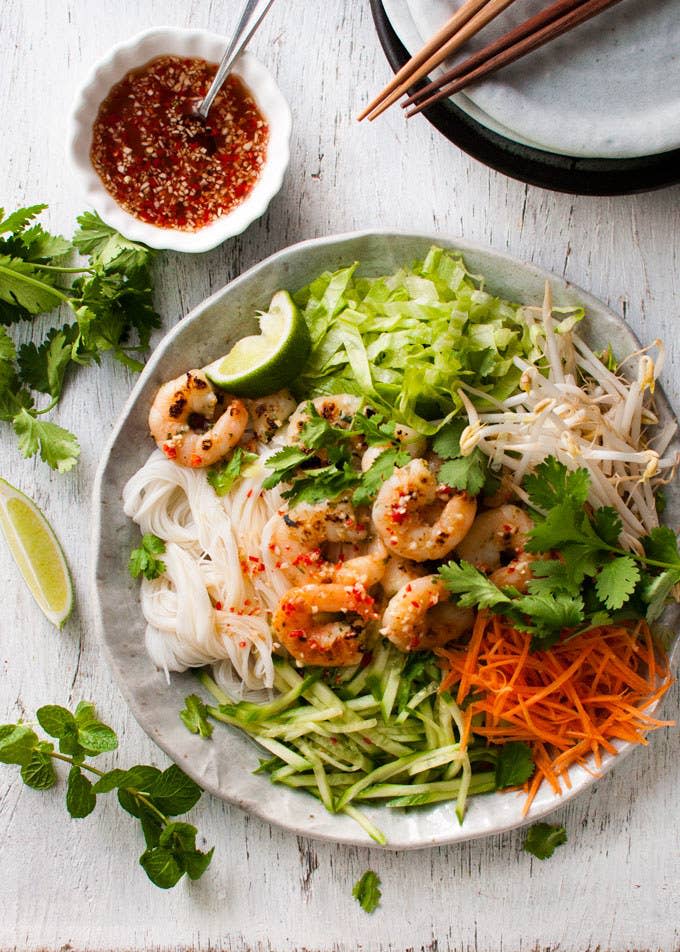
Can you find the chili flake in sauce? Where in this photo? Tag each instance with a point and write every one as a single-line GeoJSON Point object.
{"type": "Point", "coordinates": [163, 164]}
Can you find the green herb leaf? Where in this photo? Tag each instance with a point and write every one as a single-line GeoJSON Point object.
{"type": "Point", "coordinates": [17, 743]}
{"type": "Point", "coordinates": [194, 716]}
{"type": "Point", "coordinates": [39, 772]}
{"type": "Point", "coordinates": [607, 524]}
{"type": "Point", "coordinates": [515, 764]}
{"type": "Point", "coordinates": [616, 581]}
{"type": "Point", "coordinates": [162, 867]}
{"type": "Point", "coordinates": [142, 778]}
{"type": "Point", "coordinates": [467, 474]}
{"type": "Point", "coordinates": [96, 738]}
{"type": "Point", "coordinates": [58, 448]}
{"type": "Point", "coordinates": [43, 368]}
{"type": "Point", "coordinates": [80, 798]}
{"type": "Point", "coordinates": [174, 792]}
{"type": "Point", "coordinates": [472, 586]}
{"type": "Point", "coordinates": [375, 475]}
{"type": "Point", "coordinates": [143, 559]}
{"type": "Point", "coordinates": [223, 476]}
{"type": "Point", "coordinates": [107, 248]}
{"type": "Point", "coordinates": [110, 781]}
{"type": "Point", "coordinates": [17, 221]}
{"type": "Point", "coordinates": [543, 838]}
{"type": "Point", "coordinates": [367, 891]}
{"type": "Point", "coordinates": [552, 484]}
{"type": "Point", "coordinates": [55, 720]}
{"type": "Point", "coordinates": [23, 286]}
{"type": "Point", "coordinates": [657, 590]}
{"type": "Point", "coordinates": [662, 545]}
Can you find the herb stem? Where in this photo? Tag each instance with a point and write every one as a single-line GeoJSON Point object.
{"type": "Point", "coordinates": [59, 270]}
{"type": "Point", "coordinates": [70, 760]}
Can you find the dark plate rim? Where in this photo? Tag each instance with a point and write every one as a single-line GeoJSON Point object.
{"type": "Point", "coordinates": [549, 170]}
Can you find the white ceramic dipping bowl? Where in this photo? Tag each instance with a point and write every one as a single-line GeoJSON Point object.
{"type": "Point", "coordinates": [190, 43]}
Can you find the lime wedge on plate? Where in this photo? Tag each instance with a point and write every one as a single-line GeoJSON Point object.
{"type": "Point", "coordinates": [37, 553]}
{"type": "Point", "coordinates": [259, 365]}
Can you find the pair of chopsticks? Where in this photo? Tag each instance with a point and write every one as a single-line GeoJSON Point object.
{"type": "Point", "coordinates": [558, 18]}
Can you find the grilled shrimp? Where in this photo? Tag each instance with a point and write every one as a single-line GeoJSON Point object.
{"type": "Point", "coordinates": [420, 616]}
{"type": "Point", "coordinates": [192, 423]}
{"type": "Point", "coordinates": [324, 624]}
{"type": "Point", "coordinates": [268, 414]}
{"type": "Point", "coordinates": [499, 532]}
{"type": "Point", "coordinates": [416, 521]}
{"type": "Point", "coordinates": [398, 572]}
{"type": "Point", "coordinates": [302, 533]}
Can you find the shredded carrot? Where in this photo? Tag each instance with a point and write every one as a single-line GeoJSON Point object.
{"type": "Point", "coordinates": [569, 703]}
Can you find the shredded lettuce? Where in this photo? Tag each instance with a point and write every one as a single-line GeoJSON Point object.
{"type": "Point", "coordinates": [406, 342]}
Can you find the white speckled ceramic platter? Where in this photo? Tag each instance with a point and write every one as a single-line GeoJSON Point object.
{"type": "Point", "coordinates": [608, 89]}
{"type": "Point", "coordinates": [224, 764]}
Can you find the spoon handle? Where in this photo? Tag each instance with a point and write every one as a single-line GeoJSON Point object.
{"type": "Point", "coordinates": [254, 10]}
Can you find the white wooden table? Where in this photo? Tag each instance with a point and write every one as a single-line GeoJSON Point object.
{"type": "Point", "coordinates": [75, 884]}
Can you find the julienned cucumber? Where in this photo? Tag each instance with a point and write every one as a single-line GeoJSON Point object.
{"type": "Point", "coordinates": [382, 734]}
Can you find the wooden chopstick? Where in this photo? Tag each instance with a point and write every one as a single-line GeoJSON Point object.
{"type": "Point", "coordinates": [534, 23]}
{"type": "Point", "coordinates": [468, 21]}
{"type": "Point", "coordinates": [490, 59]}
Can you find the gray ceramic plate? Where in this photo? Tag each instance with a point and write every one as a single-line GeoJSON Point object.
{"type": "Point", "coordinates": [224, 765]}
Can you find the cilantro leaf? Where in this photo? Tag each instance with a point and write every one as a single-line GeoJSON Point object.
{"type": "Point", "coordinates": [447, 441]}
{"type": "Point", "coordinates": [17, 221]}
{"type": "Point", "coordinates": [58, 448]}
{"type": "Point", "coordinates": [23, 286]}
{"type": "Point", "coordinates": [616, 581]}
{"type": "Point", "coordinates": [143, 559]}
{"type": "Point", "coordinates": [375, 476]}
{"type": "Point", "coordinates": [607, 524]}
{"type": "Point", "coordinates": [467, 474]}
{"type": "Point", "coordinates": [662, 545]}
{"type": "Point", "coordinates": [194, 716]}
{"type": "Point", "coordinates": [543, 838]}
{"type": "Point", "coordinates": [471, 586]}
{"type": "Point", "coordinates": [552, 483]}
{"type": "Point", "coordinates": [283, 465]}
{"type": "Point", "coordinates": [223, 476]}
{"type": "Point", "coordinates": [367, 891]}
{"type": "Point", "coordinates": [549, 614]}
{"type": "Point", "coordinates": [107, 248]}
{"type": "Point", "coordinates": [43, 368]}
{"type": "Point", "coordinates": [375, 430]}
{"type": "Point", "coordinates": [514, 765]}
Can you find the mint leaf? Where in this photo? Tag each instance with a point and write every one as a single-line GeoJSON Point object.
{"type": "Point", "coordinates": [142, 778]}
{"type": "Point", "coordinates": [17, 743]}
{"type": "Point", "coordinates": [367, 891]}
{"type": "Point", "coordinates": [143, 559]}
{"type": "Point", "coordinates": [543, 838]}
{"type": "Point", "coordinates": [80, 798]}
{"type": "Point", "coordinates": [616, 581]}
{"type": "Point", "coordinates": [174, 792]}
{"type": "Point", "coordinates": [194, 716]}
{"type": "Point", "coordinates": [515, 764]}
{"type": "Point", "coordinates": [197, 862]}
{"type": "Point", "coordinates": [110, 781]}
{"type": "Point", "coordinates": [162, 867]}
{"type": "Point", "coordinates": [96, 738]}
{"type": "Point", "coordinates": [39, 772]}
{"type": "Point", "coordinates": [55, 720]}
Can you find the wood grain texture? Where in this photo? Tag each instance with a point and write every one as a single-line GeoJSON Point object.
{"type": "Point", "coordinates": [74, 884]}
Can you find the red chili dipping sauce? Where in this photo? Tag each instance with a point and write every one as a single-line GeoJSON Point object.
{"type": "Point", "coordinates": [164, 165]}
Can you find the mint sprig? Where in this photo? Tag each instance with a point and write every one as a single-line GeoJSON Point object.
{"type": "Point", "coordinates": [147, 793]}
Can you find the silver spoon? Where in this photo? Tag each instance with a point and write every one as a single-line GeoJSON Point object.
{"type": "Point", "coordinates": [254, 12]}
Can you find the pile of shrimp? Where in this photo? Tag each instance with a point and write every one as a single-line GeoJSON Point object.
{"type": "Point", "coordinates": [323, 582]}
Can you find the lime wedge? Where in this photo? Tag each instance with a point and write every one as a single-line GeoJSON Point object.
{"type": "Point", "coordinates": [37, 553]}
{"type": "Point", "coordinates": [259, 365]}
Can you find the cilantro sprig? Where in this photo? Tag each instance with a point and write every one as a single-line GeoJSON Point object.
{"type": "Point", "coordinates": [367, 891]}
{"type": "Point", "coordinates": [542, 839]}
{"type": "Point", "coordinates": [143, 559]}
{"type": "Point", "coordinates": [109, 301]}
{"type": "Point", "coordinates": [592, 581]}
{"type": "Point", "coordinates": [321, 465]}
{"type": "Point", "coordinates": [152, 796]}
{"type": "Point", "coordinates": [464, 473]}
